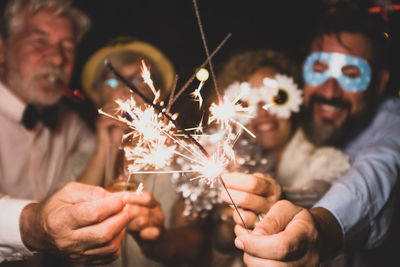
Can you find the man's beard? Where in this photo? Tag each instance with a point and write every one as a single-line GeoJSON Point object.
{"type": "Point", "coordinates": [321, 135]}
{"type": "Point", "coordinates": [45, 93]}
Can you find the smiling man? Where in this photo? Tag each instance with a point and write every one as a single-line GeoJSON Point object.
{"type": "Point", "coordinates": [338, 92]}
{"type": "Point", "coordinates": [344, 77]}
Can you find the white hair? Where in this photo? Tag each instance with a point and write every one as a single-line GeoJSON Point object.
{"type": "Point", "coordinates": [14, 10]}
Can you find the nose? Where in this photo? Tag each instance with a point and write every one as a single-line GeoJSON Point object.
{"type": "Point", "coordinates": [124, 91]}
{"type": "Point", "coordinates": [121, 92]}
{"type": "Point", "coordinates": [261, 111]}
{"type": "Point", "coordinates": [331, 89]}
{"type": "Point", "coordinates": [56, 55]}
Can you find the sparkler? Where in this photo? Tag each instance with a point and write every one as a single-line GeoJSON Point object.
{"type": "Point", "coordinates": [157, 136]}
{"type": "Point", "coordinates": [151, 133]}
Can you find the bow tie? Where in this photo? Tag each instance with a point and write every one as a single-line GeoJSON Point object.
{"type": "Point", "coordinates": [47, 116]}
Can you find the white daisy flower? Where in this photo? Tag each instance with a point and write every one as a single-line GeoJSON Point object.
{"type": "Point", "coordinates": [288, 98]}
{"type": "Point", "coordinates": [280, 95]}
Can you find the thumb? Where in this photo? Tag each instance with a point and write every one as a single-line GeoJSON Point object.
{"type": "Point", "coordinates": [277, 218]}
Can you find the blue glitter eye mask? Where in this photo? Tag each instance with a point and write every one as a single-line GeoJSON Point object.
{"type": "Point", "coordinates": [336, 62]}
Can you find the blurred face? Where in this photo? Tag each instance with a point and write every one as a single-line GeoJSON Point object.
{"type": "Point", "coordinates": [330, 107]}
{"type": "Point", "coordinates": [112, 89]}
{"type": "Point", "coordinates": [39, 57]}
{"type": "Point", "coordinates": [271, 132]}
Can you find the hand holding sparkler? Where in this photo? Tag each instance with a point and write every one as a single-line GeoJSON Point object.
{"type": "Point", "coordinates": [148, 218]}
{"type": "Point", "coordinates": [288, 238]}
{"type": "Point", "coordinates": [254, 195]}
{"type": "Point", "coordinates": [83, 222]}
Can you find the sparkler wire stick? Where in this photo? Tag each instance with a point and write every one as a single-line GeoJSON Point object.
{"type": "Point", "coordinates": [172, 93]}
{"type": "Point", "coordinates": [201, 66]}
{"type": "Point", "coordinates": [203, 37]}
{"type": "Point", "coordinates": [233, 202]}
{"type": "Point", "coordinates": [160, 110]}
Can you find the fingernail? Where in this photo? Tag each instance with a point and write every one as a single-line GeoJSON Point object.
{"type": "Point", "coordinates": [239, 244]}
{"type": "Point", "coordinates": [259, 231]}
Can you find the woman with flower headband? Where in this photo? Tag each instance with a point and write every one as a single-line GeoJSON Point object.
{"type": "Point", "coordinates": [266, 81]}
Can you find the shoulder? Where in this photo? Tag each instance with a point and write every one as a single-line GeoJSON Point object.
{"type": "Point", "coordinates": [387, 119]}
{"type": "Point", "coordinates": [391, 105]}
{"type": "Point", "coordinates": [383, 132]}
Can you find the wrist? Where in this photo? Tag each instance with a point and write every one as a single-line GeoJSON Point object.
{"type": "Point", "coordinates": [330, 236]}
{"type": "Point", "coordinates": [30, 228]}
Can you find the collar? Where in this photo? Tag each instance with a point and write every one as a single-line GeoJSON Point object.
{"type": "Point", "coordinates": [11, 105]}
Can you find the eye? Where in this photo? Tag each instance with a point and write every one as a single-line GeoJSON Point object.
{"type": "Point", "coordinates": [320, 66]}
{"type": "Point", "coordinates": [282, 97]}
{"type": "Point", "coordinates": [112, 82]}
{"type": "Point", "coordinates": [351, 71]}
{"type": "Point", "coordinates": [40, 42]}
{"type": "Point", "coordinates": [243, 103]}
{"type": "Point", "coordinates": [69, 47]}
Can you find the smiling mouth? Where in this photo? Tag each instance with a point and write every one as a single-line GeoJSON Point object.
{"type": "Point", "coordinates": [266, 126]}
{"type": "Point", "coordinates": [328, 111]}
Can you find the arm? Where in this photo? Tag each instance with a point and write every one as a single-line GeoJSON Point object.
{"type": "Point", "coordinates": [109, 135]}
{"type": "Point", "coordinates": [11, 246]}
{"type": "Point", "coordinates": [360, 200]}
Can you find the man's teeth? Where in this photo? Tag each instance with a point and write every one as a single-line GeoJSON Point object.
{"type": "Point", "coordinates": [329, 108]}
{"type": "Point", "coordinates": [52, 78]}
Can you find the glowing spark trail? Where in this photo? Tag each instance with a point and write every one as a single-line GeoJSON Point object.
{"type": "Point", "coordinates": [151, 148]}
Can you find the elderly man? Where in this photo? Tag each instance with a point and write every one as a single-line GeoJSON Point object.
{"type": "Point", "coordinates": [38, 134]}
{"type": "Point", "coordinates": [344, 78]}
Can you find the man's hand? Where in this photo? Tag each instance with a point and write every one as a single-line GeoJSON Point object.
{"type": "Point", "coordinates": [84, 222]}
{"type": "Point", "coordinates": [290, 236]}
{"type": "Point", "coordinates": [253, 194]}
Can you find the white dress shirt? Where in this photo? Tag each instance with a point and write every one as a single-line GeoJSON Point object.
{"type": "Point", "coordinates": [32, 164]}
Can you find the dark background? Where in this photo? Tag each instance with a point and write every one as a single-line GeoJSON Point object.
{"type": "Point", "coordinates": [171, 25]}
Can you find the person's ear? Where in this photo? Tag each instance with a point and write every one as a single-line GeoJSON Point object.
{"type": "Point", "coordinates": [382, 81]}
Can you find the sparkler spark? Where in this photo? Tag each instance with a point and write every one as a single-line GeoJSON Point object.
{"type": "Point", "coordinates": [145, 72]}
{"type": "Point", "coordinates": [156, 138]}
{"type": "Point", "coordinates": [229, 112]}
{"type": "Point", "coordinates": [197, 94]}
